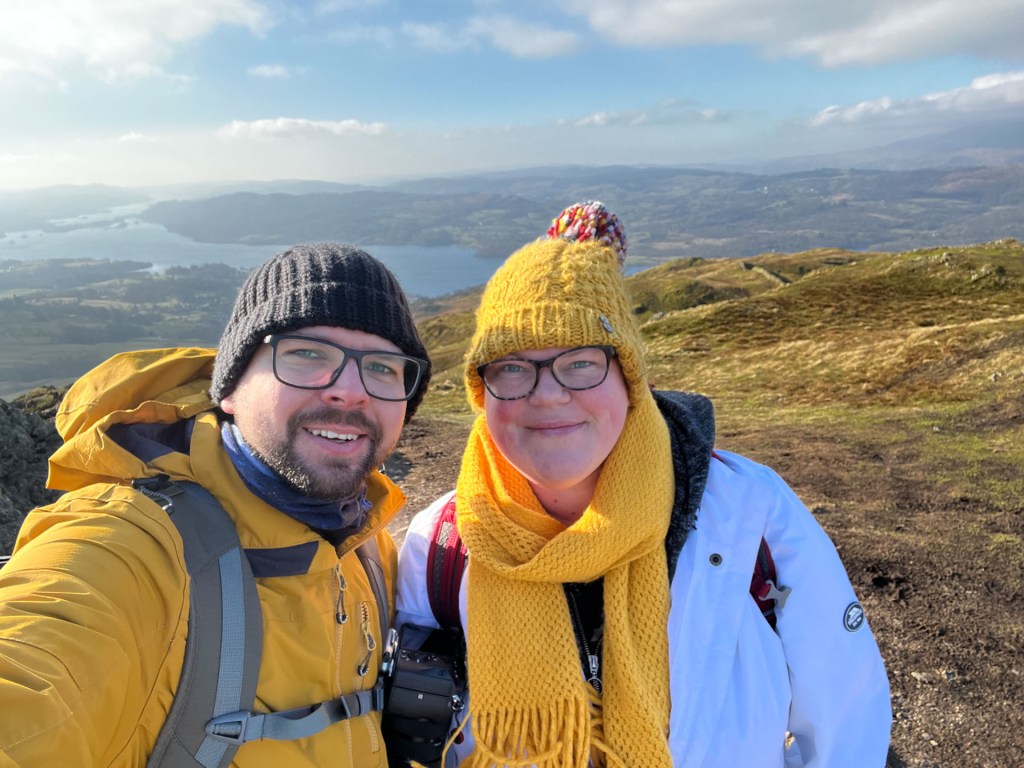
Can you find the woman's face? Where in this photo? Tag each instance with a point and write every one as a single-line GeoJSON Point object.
{"type": "Point", "coordinates": [558, 438]}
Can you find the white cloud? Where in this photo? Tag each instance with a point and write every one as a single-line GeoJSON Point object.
{"type": "Point", "coordinates": [290, 127]}
{"type": "Point", "coordinates": [11, 158]}
{"type": "Point", "coordinates": [354, 34]}
{"type": "Point", "coordinates": [865, 32]}
{"type": "Point", "coordinates": [270, 71]}
{"type": "Point", "coordinates": [521, 40]}
{"type": "Point", "coordinates": [438, 37]}
{"type": "Point", "coordinates": [139, 70]}
{"type": "Point", "coordinates": [669, 112]}
{"type": "Point", "coordinates": [990, 93]}
{"type": "Point", "coordinates": [111, 38]}
{"type": "Point", "coordinates": [133, 137]}
{"type": "Point", "coordinates": [326, 7]}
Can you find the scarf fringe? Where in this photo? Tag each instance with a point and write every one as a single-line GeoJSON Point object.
{"type": "Point", "coordinates": [558, 737]}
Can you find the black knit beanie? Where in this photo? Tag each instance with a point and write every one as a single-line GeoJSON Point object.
{"type": "Point", "coordinates": [316, 284]}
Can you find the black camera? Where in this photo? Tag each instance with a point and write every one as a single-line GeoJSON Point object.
{"type": "Point", "coordinates": [424, 685]}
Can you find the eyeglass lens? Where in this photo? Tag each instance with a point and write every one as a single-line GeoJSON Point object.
{"type": "Point", "coordinates": [310, 364]}
{"type": "Point", "coordinates": [580, 368]}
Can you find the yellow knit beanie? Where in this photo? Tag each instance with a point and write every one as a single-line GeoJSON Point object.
{"type": "Point", "coordinates": [563, 291]}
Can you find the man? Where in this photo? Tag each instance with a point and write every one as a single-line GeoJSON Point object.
{"type": "Point", "coordinates": [319, 367]}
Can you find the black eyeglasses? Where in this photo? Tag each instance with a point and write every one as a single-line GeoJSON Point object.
{"type": "Point", "coordinates": [513, 378]}
{"type": "Point", "coordinates": [309, 363]}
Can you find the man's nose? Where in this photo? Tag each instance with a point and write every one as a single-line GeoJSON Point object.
{"type": "Point", "coordinates": [348, 387]}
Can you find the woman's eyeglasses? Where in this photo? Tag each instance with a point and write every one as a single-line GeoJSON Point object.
{"type": "Point", "coordinates": [513, 378]}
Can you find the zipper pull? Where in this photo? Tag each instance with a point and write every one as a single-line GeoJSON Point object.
{"type": "Point", "coordinates": [595, 679]}
{"type": "Point", "coordinates": [364, 665]}
{"type": "Point", "coordinates": [368, 641]}
{"type": "Point", "coordinates": [340, 614]}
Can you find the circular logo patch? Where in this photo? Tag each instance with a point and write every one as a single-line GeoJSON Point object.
{"type": "Point", "coordinates": [853, 618]}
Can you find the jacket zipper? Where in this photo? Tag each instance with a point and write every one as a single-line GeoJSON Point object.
{"type": "Point", "coordinates": [368, 641]}
{"type": "Point", "coordinates": [161, 499]}
{"type": "Point", "coordinates": [340, 613]}
{"type": "Point", "coordinates": [340, 618]}
{"type": "Point", "coordinates": [593, 661]}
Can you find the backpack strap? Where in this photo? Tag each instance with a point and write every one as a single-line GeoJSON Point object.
{"type": "Point", "coordinates": [219, 674]}
{"type": "Point", "coordinates": [446, 561]}
{"type": "Point", "coordinates": [369, 555]}
{"type": "Point", "coordinates": [211, 715]}
{"type": "Point", "coordinates": [763, 587]}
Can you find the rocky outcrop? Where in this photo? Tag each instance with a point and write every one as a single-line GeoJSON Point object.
{"type": "Point", "coordinates": [26, 441]}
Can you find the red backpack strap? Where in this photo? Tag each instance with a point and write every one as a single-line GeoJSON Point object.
{"type": "Point", "coordinates": [763, 585]}
{"type": "Point", "coordinates": [446, 560]}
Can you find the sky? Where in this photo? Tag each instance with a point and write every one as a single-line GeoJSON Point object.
{"type": "Point", "coordinates": [155, 92]}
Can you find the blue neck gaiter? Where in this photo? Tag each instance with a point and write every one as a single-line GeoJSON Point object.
{"type": "Point", "coordinates": [334, 520]}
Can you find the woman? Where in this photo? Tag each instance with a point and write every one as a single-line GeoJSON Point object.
{"type": "Point", "coordinates": [606, 606]}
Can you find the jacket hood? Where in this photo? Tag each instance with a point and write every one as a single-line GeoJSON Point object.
{"type": "Point", "coordinates": [146, 413]}
{"type": "Point", "coordinates": [157, 386]}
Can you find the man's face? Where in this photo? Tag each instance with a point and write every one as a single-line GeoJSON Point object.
{"type": "Point", "coordinates": [323, 442]}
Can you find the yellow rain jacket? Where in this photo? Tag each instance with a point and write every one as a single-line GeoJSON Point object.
{"type": "Point", "coordinates": [94, 604]}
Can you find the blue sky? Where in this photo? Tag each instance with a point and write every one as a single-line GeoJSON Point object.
{"type": "Point", "coordinates": [148, 92]}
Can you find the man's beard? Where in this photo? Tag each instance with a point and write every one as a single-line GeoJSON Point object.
{"type": "Point", "coordinates": [339, 479]}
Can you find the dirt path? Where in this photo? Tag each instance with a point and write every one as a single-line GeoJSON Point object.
{"type": "Point", "coordinates": [928, 561]}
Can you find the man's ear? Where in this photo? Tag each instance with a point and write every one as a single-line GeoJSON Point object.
{"type": "Point", "coordinates": [227, 404]}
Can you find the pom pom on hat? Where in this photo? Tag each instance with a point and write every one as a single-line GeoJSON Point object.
{"type": "Point", "coordinates": [591, 220]}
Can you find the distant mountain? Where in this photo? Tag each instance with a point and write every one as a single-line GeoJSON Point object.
{"type": "Point", "coordinates": [983, 144]}
{"type": "Point", "coordinates": [218, 188]}
{"type": "Point", "coordinates": [962, 186]}
{"type": "Point", "coordinates": [490, 223]}
{"type": "Point", "coordinates": [668, 212]}
{"type": "Point", "coordinates": [22, 210]}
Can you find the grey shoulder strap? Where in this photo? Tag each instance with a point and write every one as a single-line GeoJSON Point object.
{"type": "Point", "coordinates": [220, 669]}
{"type": "Point", "coordinates": [369, 555]}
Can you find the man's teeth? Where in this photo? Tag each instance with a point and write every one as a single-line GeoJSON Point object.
{"type": "Point", "coordinates": [332, 435]}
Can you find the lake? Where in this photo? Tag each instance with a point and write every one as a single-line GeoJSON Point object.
{"type": "Point", "coordinates": [422, 271]}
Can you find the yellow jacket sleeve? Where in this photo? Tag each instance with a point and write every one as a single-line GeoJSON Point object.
{"type": "Point", "coordinates": [92, 606]}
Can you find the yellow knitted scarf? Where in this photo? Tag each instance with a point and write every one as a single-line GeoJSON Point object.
{"type": "Point", "coordinates": [529, 702]}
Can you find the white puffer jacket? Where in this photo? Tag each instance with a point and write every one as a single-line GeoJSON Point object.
{"type": "Point", "coordinates": [737, 686]}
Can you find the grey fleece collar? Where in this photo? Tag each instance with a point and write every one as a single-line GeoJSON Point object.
{"type": "Point", "coordinates": [691, 425]}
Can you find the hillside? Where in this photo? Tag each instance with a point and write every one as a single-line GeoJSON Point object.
{"type": "Point", "coordinates": [888, 390]}
{"type": "Point", "coordinates": [60, 317]}
{"type": "Point", "coordinates": [671, 212]}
